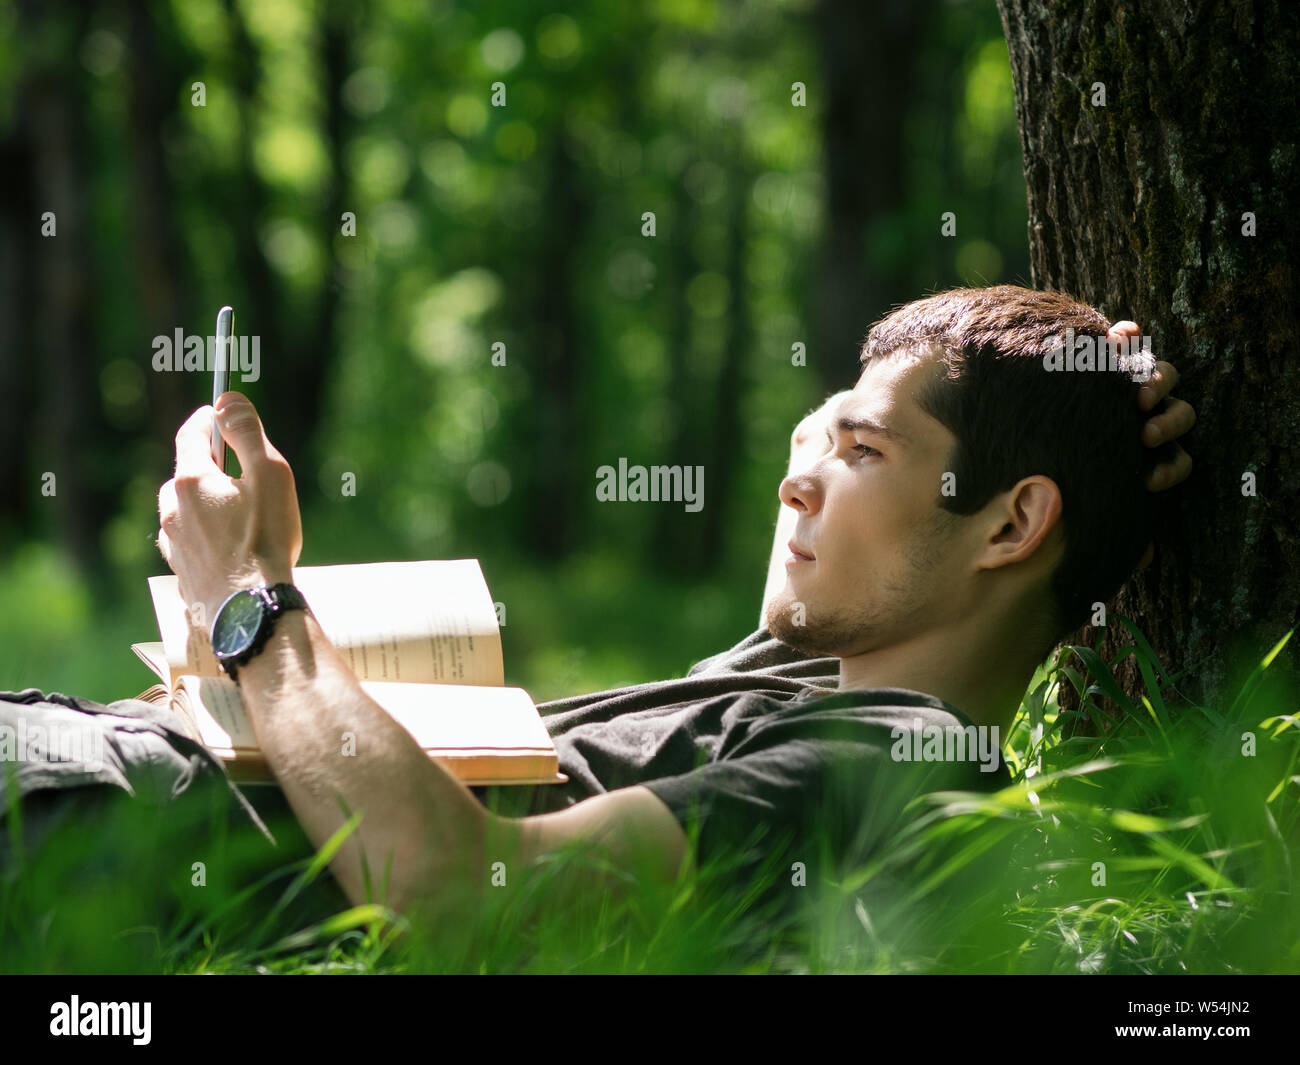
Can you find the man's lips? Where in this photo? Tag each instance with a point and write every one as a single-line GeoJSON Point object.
{"type": "Point", "coordinates": [798, 555]}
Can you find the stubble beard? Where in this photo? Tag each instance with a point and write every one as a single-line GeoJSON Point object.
{"type": "Point", "coordinates": [846, 631]}
{"type": "Point", "coordinates": [823, 632]}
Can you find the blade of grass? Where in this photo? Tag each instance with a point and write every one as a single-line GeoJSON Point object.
{"type": "Point", "coordinates": [1247, 691]}
{"type": "Point", "coordinates": [314, 868]}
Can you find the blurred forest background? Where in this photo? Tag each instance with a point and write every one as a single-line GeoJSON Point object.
{"type": "Point", "coordinates": [776, 225]}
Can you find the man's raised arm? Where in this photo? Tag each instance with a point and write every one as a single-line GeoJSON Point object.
{"type": "Point", "coordinates": [423, 837]}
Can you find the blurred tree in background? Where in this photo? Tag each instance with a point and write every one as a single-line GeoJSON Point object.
{"type": "Point", "coordinates": [498, 323]}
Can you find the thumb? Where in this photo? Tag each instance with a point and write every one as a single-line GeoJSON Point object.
{"type": "Point", "coordinates": [242, 430]}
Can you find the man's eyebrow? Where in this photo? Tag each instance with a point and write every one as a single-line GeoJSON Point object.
{"type": "Point", "coordinates": [846, 424]}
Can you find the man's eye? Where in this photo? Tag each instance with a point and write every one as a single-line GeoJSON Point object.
{"type": "Point", "coordinates": [863, 448]}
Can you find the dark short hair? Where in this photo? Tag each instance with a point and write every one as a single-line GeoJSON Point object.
{"type": "Point", "coordinates": [1014, 418]}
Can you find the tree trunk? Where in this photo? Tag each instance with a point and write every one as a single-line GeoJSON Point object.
{"type": "Point", "coordinates": [556, 493]}
{"type": "Point", "coordinates": [1140, 208]}
{"type": "Point", "coordinates": [69, 434]}
{"type": "Point", "coordinates": [675, 544]}
{"type": "Point", "coordinates": [869, 55]}
{"type": "Point", "coordinates": [246, 211]}
{"type": "Point", "coordinates": [157, 255]}
{"type": "Point", "coordinates": [19, 247]}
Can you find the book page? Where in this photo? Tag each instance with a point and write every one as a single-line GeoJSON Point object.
{"type": "Point", "coordinates": [416, 622]}
{"type": "Point", "coordinates": [446, 718]}
{"type": "Point", "coordinates": [157, 695]}
{"type": "Point", "coordinates": [441, 718]}
{"type": "Point", "coordinates": [217, 708]}
{"type": "Point", "coordinates": [153, 656]}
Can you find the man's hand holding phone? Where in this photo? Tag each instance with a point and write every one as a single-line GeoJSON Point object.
{"type": "Point", "coordinates": [219, 534]}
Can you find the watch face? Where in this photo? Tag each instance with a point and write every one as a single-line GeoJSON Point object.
{"type": "Point", "coordinates": [237, 623]}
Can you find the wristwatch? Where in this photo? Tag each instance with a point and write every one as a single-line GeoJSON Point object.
{"type": "Point", "coordinates": [244, 622]}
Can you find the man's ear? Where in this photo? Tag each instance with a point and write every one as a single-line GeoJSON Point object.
{"type": "Point", "coordinates": [1020, 521]}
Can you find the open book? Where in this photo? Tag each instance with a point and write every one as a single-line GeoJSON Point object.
{"type": "Point", "coordinates": [421, 637]}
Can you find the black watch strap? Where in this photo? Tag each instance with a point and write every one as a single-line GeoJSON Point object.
{"type": "Point", "coordinates": [283, 596]}
{"type": "Point", "coordinates": [276, 600]}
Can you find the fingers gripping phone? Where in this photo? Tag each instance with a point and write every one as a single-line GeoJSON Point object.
{"type": "Point", "coordinates": [221, 378]}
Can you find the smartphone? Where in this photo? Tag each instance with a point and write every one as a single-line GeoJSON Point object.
{"type": "Point", "coordinates": [221, 378]}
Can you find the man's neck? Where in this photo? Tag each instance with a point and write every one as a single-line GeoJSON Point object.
{"type": "Point", "coordinates": [969, 666]}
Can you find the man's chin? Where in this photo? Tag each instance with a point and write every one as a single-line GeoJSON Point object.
{"type": "Point", "coordinates": [799, 639]}
{"type": "Point", "coordinates": [781, 623]}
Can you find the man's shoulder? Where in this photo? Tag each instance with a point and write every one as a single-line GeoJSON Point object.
{"type": "Point", "coordinates": [906, 725]}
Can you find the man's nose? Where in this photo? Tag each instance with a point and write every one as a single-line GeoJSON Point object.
{"type": "Point", "coordinates": [802, 492]}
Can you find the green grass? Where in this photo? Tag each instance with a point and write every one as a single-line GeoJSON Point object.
{"type": "Point", "coordinates": [1167, 846]}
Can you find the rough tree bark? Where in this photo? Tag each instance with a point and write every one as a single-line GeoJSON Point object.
{"type": "Point", "coordinates": [1140, 207]}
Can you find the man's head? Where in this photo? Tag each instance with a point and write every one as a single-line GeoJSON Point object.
{"type": "Point", "coordinates": [963, 479]}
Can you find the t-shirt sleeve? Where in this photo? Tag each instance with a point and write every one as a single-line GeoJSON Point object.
{"type": "Point", "coordinates": [818, 789]}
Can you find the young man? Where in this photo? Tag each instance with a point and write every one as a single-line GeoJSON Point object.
{"type": "Point", "coordinates": [935, 556]}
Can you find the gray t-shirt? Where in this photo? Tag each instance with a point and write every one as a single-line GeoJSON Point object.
{"type": "Point", "coordinates": [755, 748]}
{"type": "Point", "coordinates": [758, 750]}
